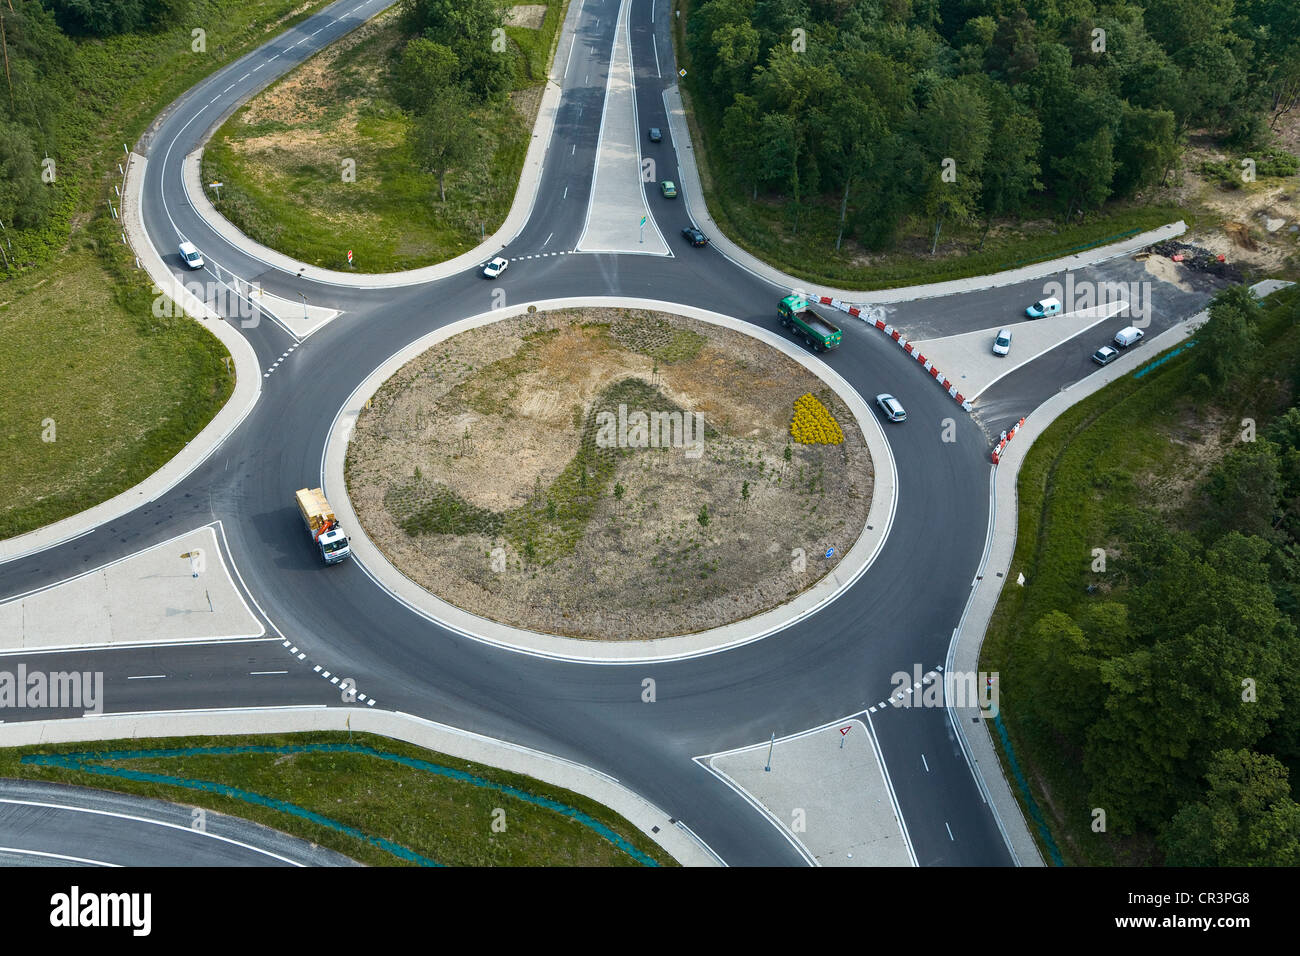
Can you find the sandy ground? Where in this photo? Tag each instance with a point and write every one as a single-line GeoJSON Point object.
{"type": "Point", "coordinates": [528, 15]}
{"type": "Point", "coordinates": [496, 415]}
{"type": "Point", "coordinates": [1255, 226]}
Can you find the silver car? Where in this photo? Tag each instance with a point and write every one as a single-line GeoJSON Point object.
{"type": "Point", "coordinates": [891, 407]}
{"type": "Point", "coordinates": [1002, 342]}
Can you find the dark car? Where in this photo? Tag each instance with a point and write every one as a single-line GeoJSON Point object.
{"type": "Point", "coordinates": [655, 135]}
{"type": "Point", "coordinates": [695, 237]}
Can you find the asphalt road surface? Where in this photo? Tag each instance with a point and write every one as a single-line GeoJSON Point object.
{"type": "Point", "coordinates": [901, 613]}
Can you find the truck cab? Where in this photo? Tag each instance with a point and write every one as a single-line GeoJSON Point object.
{"type": "Point", "coordinates": [333, 546]}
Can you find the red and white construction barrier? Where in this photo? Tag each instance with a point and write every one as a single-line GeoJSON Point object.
{"type": "Point", "coordinates": [907, 347]}
{"type": "Point", "coordinates": [1006, 437]}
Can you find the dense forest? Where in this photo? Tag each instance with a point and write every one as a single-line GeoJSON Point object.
{"type": "Point", "coordinates": [1174, 688]}
{"type": "Point", "coordinates": [1059, 104]}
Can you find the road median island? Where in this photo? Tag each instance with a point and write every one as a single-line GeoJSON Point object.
{"type": "Point", "coordinates": [333, 158]}
{"type": "Point", "coordinates": [683, 554]}
{"type": "Point", "coordinates": [609, 474]}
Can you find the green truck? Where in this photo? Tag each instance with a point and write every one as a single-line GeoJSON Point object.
{"type": "Point", "coordinates": [817, 333]}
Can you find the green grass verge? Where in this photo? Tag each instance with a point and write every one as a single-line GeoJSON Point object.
{"type": "Point", "coordinates": [767, 228]}
{"type": "Point", "coordinates": [78, 341]}
{"type": "Point", "coordinates": [1102, 455]}
{"type": "Point", "coordinates": [282, 177]}
{"type": "Point", "coordinates": [441, 818]}
{"type": "Point", "coordinates": [95, 393]}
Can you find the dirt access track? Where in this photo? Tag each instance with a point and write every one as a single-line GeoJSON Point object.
{"type": "Point", "coordinates": [503, 470]}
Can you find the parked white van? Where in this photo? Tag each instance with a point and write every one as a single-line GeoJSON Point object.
{"type": "Point", "coordinates": [1127, 336]}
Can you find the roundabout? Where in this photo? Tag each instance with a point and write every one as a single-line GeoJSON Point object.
{"type": "Point", "coordinates": [635, 715]}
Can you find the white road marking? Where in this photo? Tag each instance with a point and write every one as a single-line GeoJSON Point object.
{"type": "Point", "coordinates": [265, 673]}
{"type": "Point", "coordinates": [158, 823]}
{"type": "Point", "coordinates": [147, 677]}
{"type": "Point", "coordinates": [57, 856]}
{"type": "Point", "coordinates": [926, 763]}
{"type": "Point", "coordinates": [566, 193]}
{"type": "Point", "coordinates": [548, 239]}
{"type": "Point", "coordinates": [949, 829]}
{"type": "Point", "coordinates": [656, 46]}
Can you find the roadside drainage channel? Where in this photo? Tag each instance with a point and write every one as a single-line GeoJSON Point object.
{"type": "Point", "coordinates": [86, 762]}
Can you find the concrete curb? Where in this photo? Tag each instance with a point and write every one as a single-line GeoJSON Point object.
{"type": "Point", "coordinates": [1000, 548]}
{"type": "Point", "coordinates": [248, 388]}
{"type": "Point", "coordinates": [530, 178]}
{"type": "Point", "coordinates": [859, 557]}
{"type": "Point", "coordinates": [699, 212]}
{"type": "Point", "coordinates": [671, 834]}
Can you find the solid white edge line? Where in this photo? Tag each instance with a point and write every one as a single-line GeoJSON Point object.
{"type": "Point", "coordinates": [767, 814]}
{"type": "Point", "coordinates": [159, 823]}
{"type": "Point", "coordinates": [58, 856]}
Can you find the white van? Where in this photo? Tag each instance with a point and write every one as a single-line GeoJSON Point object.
{"type": "Point", "coordinates": [1127, 336]}
{"type": "Point", "coordinates": [190, 255]}
{"type": "Point", "coordinates": [1044, 307]}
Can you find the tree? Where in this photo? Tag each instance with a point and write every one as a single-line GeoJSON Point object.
{"type": "Point", "coordinates": [1084, 175]}
{"type": "Point", "coordinates": [425, 71]}
{"type": "Point", "coordinates": [1227, 341]}
{"type": "Point", "coordinates": [1246, 818]}
{"type": "Point", "coordinates": [741, 138]}
{"type": "Point", "coordinates": [1246, 489]}
{"type": "Point", "coordinates": [466, 27]}
{"type": "Point", "coordinates": [1011, 169]}
{"type": "Point", "coordinates": [1150, 149]}
{"type": "Point", "coordinates": [952, 131]}
{"type": "Point", "coordinates": [445, 136]}
{"type": "Point", "coordinates": [1066, 692]}
{"type": "Point", "coordinates": [24, 199]}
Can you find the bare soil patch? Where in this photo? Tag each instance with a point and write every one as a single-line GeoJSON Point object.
{"type": "Point", "coordinates": [528, 15]}
{"type": "Point", "coordinates": [481, 472]}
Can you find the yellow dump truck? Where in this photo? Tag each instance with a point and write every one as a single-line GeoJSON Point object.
{"type": "Point", "coordinates": [322, 525]}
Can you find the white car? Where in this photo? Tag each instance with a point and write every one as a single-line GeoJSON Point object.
{"type": "Point", "coordinates": [495, 267]}
{"type": "Point", "coordinates": [1002, 342]}
{"type": "Point", "coordinates": [892, 408]}
{"type": "Point", "coordinates": [190, 255]}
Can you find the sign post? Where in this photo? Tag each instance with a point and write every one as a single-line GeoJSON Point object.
{"type": "Point", "coordinates": [217, 187]}
{"type": "Point", "coordinates": [844, 732]}
{"type": "Point", "coordinates": [643, 222]}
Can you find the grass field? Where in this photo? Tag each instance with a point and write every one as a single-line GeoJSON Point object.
{"type": "Point", "coordinates": [96, 394]}
{"type": "Point", "coordinates": [281, 158]}
{"type": "Point", "coordinates": [399, 810]}
{"type": "Point", "coordinates": [78, 342]}
{"type": "Point", "coordinates": [1136, 443]}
